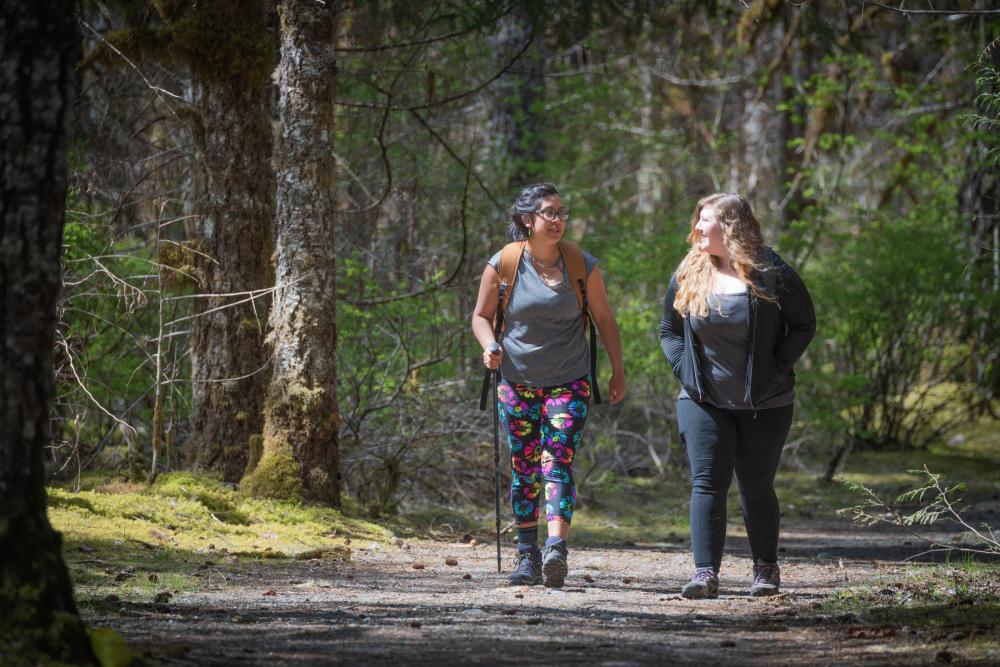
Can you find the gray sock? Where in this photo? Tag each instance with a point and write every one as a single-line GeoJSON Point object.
{"type": "Point", "coordinates": [527, 539]}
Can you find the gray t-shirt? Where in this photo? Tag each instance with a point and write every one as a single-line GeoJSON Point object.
{"type": "Point", "coordinates": [723, 343]}
{"type": "Point", "coordinates": [543, 341]}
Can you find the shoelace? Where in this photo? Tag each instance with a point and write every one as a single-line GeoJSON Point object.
{"type": "Point", "coordinates": [703, 574]}
{"type": "Point", "coordinates": [765, 573]}
{"type": "Point", "coordinates": [521, 559]}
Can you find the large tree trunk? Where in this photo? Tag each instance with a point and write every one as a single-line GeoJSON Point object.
{"type": "Point", "coordinates": [39, 46]}
{"type": "Point", "coordinates": [302, 420]}
{"type": "Point", "coordinates": [518, 131]}
{"type": "Point", "coordinates": [236, 201]}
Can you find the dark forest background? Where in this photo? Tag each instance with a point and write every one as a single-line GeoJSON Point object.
{"type": "Point", "coordinates": [216, 316]}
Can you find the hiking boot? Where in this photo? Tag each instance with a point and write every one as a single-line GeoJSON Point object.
{"type": "Point", "coordinates": [766, 579]}
{"type": "Point", "coordinates": [527, 569]}
{"type": "Point", "coordinates": [554, 565]}
{"type": "Point", "coordinates": [703, 585]}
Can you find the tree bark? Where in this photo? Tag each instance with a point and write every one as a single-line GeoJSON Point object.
{"type": "Point", "coordinates": [517, 124]}
{"type": "Point", "coordinates": [301, 417]}
{"type": "Point", "coordinates": [39, 46]}
{"type": "Point", "coordinates": [236, 200]}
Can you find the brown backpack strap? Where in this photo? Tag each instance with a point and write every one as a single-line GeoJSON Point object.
{"type": "Point", "coordinates": [510, 260]}
{"type": "Point", "coordinates": [577, 268]}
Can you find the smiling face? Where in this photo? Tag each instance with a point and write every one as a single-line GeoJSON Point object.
{"type": "Point", "coordinates": [545, 222]}
{"type": "Point", "coordinates": [710, 237]}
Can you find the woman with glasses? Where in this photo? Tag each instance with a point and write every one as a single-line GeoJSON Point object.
{"type": "Point", "coordinates": [545, 385]}
{"type": "Point", "coordinates": [736, 318]}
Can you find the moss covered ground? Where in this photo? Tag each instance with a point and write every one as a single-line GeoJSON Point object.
{"type": "Point", "coordinates": [141, 544]}
{"type": "Point", "coordinates": [135, 542]}
{"type": "Point", "coordinates": [945, 607]}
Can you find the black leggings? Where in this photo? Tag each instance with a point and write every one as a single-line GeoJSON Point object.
{"type": "Point", "coordinates": [718, 440]}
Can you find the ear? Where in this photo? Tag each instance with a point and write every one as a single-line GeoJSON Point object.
{"type": "Point", "coordinates": [526, 219]}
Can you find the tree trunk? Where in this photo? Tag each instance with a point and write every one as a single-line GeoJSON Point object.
{"type": "Point", "coordinates": [39, 48]}
{"type": "Point", "coordinates": [236, 201]}
{"type": "Point", "coordinates": [301, 417]}
{"type": "Point", "coordinates": [517, 124]}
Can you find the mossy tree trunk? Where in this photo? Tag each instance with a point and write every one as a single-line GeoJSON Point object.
{"type": "Point", "coordinates": [518, 130]}
{"type": "Point", "coordinates": [231, 60]}
{"type": "Point", "coordinates": [39, 48]}
{"type": "Point", "coordinates": [301, 418]}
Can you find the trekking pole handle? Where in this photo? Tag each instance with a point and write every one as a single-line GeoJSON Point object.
{"type": "Point", "coordinates": [494, 347]}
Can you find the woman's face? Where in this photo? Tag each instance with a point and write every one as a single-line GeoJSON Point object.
{"type": "Point", "coordinates": [549, 219]}
{"type": "Point", "coordinates": [710, 230]}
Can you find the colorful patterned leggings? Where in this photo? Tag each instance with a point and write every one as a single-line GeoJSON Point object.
{"type": "Point", "coordinates": [543, 426]}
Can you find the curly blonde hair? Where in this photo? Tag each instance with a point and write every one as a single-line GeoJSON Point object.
{"type": "Point", "coordinates": [744, 241]}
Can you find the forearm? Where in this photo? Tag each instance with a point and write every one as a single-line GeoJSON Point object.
{"type": "Point", "coordinates": [793, 347]}
{"type": "Point", "coordinates": [482, 329]}
{"type": "Point", "coordinates": [671, 331]}
{"type": "Point", "coordinates": [612, 338]}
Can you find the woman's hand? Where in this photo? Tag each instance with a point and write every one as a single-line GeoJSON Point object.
{"type": "Point", "coordinates": [492, 359]}
{"type": "Point", "coordinates": [616, 388]}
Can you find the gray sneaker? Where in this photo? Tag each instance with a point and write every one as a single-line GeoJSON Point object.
{"type": "Point", "coordinates": [527, 570]}
{"type": "Point", "coordinates": [766, 579]}
{"type": "Point", "coordinates": [554, 565]}
{"type": "Point", "coordinates": [703, 585]}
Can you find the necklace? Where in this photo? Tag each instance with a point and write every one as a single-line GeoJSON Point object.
{"type": "Point", "coordinates": [544, 267]}
{"type": "Point", "coordinates": [550, 274]}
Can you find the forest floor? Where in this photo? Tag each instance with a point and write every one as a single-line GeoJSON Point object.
{"type": "Point", "coordinates": [188, 572]}
{"type": "Point", "coordinates": [417, 601]}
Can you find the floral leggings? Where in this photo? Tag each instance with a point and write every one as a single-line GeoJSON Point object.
{"type": "Point", "coordinates": [543, 426]}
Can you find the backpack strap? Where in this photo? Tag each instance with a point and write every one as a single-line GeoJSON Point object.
{"type": "Point", "coordinates": [572, 256]}
{"type": "Point", "coordinates": [577, 267]}
{"type": "Point", "coordinates": [510, 260]}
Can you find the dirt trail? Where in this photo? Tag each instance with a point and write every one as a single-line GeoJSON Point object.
{"type": "Point", "coordinates": [620, 607]}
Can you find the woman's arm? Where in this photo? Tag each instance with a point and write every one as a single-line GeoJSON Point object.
{"type": "Point", "coordinates": [672, 329]}
{"type": "Point", "coordinates": [800, 316]}
{"type": "Point", "coordinates": [604, 318]}
{"type": "Point", "coordinates": [482, 316]}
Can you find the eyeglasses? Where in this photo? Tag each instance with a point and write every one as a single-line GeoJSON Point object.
{"type": "Point", "coordinates": [552, 215]}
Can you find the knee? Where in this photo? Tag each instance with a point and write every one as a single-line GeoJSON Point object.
{"type": "Point", "coordinates": [558, 475]}
{"type": "Point", "coordinates": [759, 494]}
{"type": "Point", "coordinates": [525, 480]}
{"type": "Point", "coordinates": [709, 483]}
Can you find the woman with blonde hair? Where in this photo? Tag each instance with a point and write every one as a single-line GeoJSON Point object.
{"type": "Point", "coordinates": [736, 318]}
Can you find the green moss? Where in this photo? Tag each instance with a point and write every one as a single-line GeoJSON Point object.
{"type": "Point", "coordinates": [276, 476]}
{"type": "Point", "coordinates": [256, 450]}
{"type": "Point", "coordinates": [957, 601]}
{"type": "Point", "coordinates": [110, 649]}
{"type": "Point", "coordinates": [298, 397]}
{"type": "Point", "coordinates": [225, 42]}
{"type": "Point", "coordinates": [217, 498]}
{"type": "Point", "coordinates": [116, 538]}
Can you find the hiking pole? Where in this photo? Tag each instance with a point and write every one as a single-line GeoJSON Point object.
{"type": "Point", "coordinates": [494, 347]}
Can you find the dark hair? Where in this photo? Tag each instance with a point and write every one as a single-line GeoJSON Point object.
{"type": "Point", "coordinates": [527, 202]}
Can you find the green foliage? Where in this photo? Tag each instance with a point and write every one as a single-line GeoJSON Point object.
{"type": "Point", "coordinates": [931, 501]}
{"type": "Point", "coordinates": [888, 299]}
